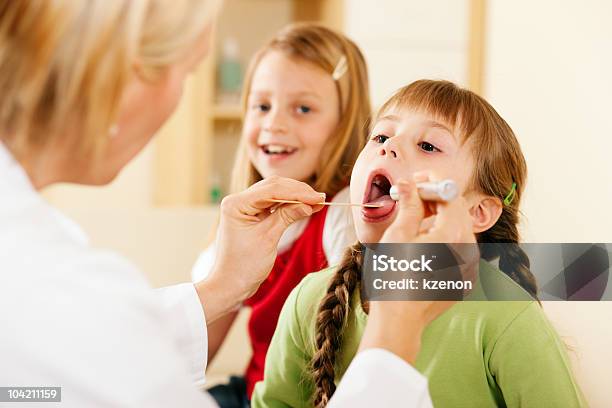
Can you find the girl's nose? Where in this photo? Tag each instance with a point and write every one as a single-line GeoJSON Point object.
{"type": "Point", "coordinates": [389, 149]}
{"type": "Point", "coordinates": [275, 122]}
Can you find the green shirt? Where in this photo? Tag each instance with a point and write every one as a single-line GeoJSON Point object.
{"type": "Point", "coordinates": [477, 354]}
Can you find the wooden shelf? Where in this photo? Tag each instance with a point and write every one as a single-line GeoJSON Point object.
{"type": "Point", "coordinates": [227, 112]}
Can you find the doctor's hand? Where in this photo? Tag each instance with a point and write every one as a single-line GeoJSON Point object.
{"type": "Point", "coordinates": [398, 325]}
{"type": "Point", "coordinates": [419, 221]}
{"type": "Point", "coordinates": [449, 224]}
{"type": "Point", "coordinates": [250, 228]}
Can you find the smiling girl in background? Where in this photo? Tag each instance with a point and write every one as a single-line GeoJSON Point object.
{"type": "Point", "coordinates": [478, 354]}
{"type": "Point", "coordinates": [306, 104]}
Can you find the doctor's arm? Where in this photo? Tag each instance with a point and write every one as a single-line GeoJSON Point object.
{"type": "Point", "coordinates": [249, 229]}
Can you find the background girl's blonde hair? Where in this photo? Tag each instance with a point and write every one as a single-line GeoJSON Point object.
{"type": "Point", "coordinates": [64, 64]}
{"type": "Point", "coordinates": [323, 47]}
{"type": "Point", "coordinates": [499, 163]}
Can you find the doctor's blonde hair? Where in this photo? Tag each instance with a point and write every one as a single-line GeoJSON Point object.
{"type": "Point", "coordinates": [65, 64]}
{"type": "Point", "coordinates": [329, 50]}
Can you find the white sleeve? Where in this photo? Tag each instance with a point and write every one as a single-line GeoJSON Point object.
{"type": "Point", "coordinates": [338, 231]}
{"type": "Point", "coordinates": [184, 311]}
{"type": "Point", "coordinates": [102, 336]}
{"type": "Point", "coordinates": [379, 378]}
{"type": "Point", "coordinates": [204, 263]}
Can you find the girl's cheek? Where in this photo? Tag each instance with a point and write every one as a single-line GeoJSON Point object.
{"type": "Point", "coordinates": [367, 154]}
{"type": "Point", "coordinates": [250, 134]}
{"type": "Point", "coordinates": [358, 177]}
{"type": "Point", "coordinates": [251, 131]}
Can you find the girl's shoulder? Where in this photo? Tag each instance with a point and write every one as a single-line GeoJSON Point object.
{"type": "Point", "coordinates": [310, 291]}
{"type": "Point", "coordinates": [498, 307]}
{"type": "Point", "coordinates": [496, 298]}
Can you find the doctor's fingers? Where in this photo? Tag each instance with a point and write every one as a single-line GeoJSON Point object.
{"type": "Point", "coordinates": [427, 224]}
{"type": "Point", "coordinates": [277, 222]}
{"type": "Point", "coordinates": [453, 222]}
{"type": "Point", "coordinates": [411, 211]}
{"type": "Point", "coordinates": [256, 199]}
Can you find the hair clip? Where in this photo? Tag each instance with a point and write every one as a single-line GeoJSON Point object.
{"type": "Point", "coordinates": [340, 69]}
{"type": "Point", "coordinates": [508, 199]}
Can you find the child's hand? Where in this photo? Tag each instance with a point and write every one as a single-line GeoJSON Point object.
{"type": "Point", "coordinates": [248, 236]}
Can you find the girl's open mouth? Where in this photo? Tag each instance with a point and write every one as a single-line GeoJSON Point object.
{"type": "Point", "coordinates": [277, 151]}
{"type": "Point", "coordinates": [377, 192]}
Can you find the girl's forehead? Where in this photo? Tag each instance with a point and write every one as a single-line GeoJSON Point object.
{"type": "Point", "coordinates": [278, 71]}
{"type": "Point", "coordinates": [416, 117]}
{"type": "Point", "coordinates": [279, 61]}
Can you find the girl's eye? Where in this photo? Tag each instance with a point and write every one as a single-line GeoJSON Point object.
{"type": "Point", "coordinates": [303, 109]}
{"type": "Point", "coordinates": [428, 147]}
{"type": "Point", "coordinates": [263, 107]}
{"type": "Point", "coordinates": [380, 138]}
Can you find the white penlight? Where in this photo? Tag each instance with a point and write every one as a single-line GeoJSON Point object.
{"type": "Point", "coordinates": [444, 190]}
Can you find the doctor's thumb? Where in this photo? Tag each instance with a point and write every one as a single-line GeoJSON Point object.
{"type": "Point", "coordinates": [411, 209]}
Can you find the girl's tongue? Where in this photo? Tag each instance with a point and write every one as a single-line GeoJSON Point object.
{"type": "Point", "coordinates": [379, 194]}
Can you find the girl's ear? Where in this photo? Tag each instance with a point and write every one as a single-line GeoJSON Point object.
{"type": "Point", "coordinates": [485, 213]}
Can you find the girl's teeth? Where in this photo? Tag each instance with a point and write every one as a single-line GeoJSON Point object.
{"type": "Point", "coordinates": [277, 149]}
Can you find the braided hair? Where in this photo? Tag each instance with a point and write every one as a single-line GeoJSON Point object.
{"type": "Point", "coordinates": [330, 321]}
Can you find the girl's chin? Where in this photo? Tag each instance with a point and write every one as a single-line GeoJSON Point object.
{"type": "Point", "coordinates": [372, 230]}
{"type": "Point", "coordinates": [369, 234]}
{"type": "Point", "coordinates": [286, 173]}
{"type": "Point", "coordinates": [267, 171]}
{"type": "Point", "coordinates": [293, 170]}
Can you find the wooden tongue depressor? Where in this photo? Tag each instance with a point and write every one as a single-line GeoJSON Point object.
{"type": "Point", "coordinates": [272, 200]}
{"type": "Point", "coordinates": [444, 190]}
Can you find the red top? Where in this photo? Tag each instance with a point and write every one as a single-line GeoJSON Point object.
{"type": "Point", "coordinates": [306, 255]}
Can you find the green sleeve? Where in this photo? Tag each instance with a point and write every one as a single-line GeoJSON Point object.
{"type": "Point", "coordinates": [546, 380]}
{"type": "Point", "coordinates": [286, 381]}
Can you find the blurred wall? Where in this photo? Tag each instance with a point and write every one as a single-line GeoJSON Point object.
{"type": "Point", "coordinates": [548, 67]}
{"type": "Point", "coordinates": [408, 40]}
{"type": "Point", "coordinates": [549, 72]}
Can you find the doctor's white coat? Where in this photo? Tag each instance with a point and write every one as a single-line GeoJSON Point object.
{"type": "Point", "coordinates": [86, 320]}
